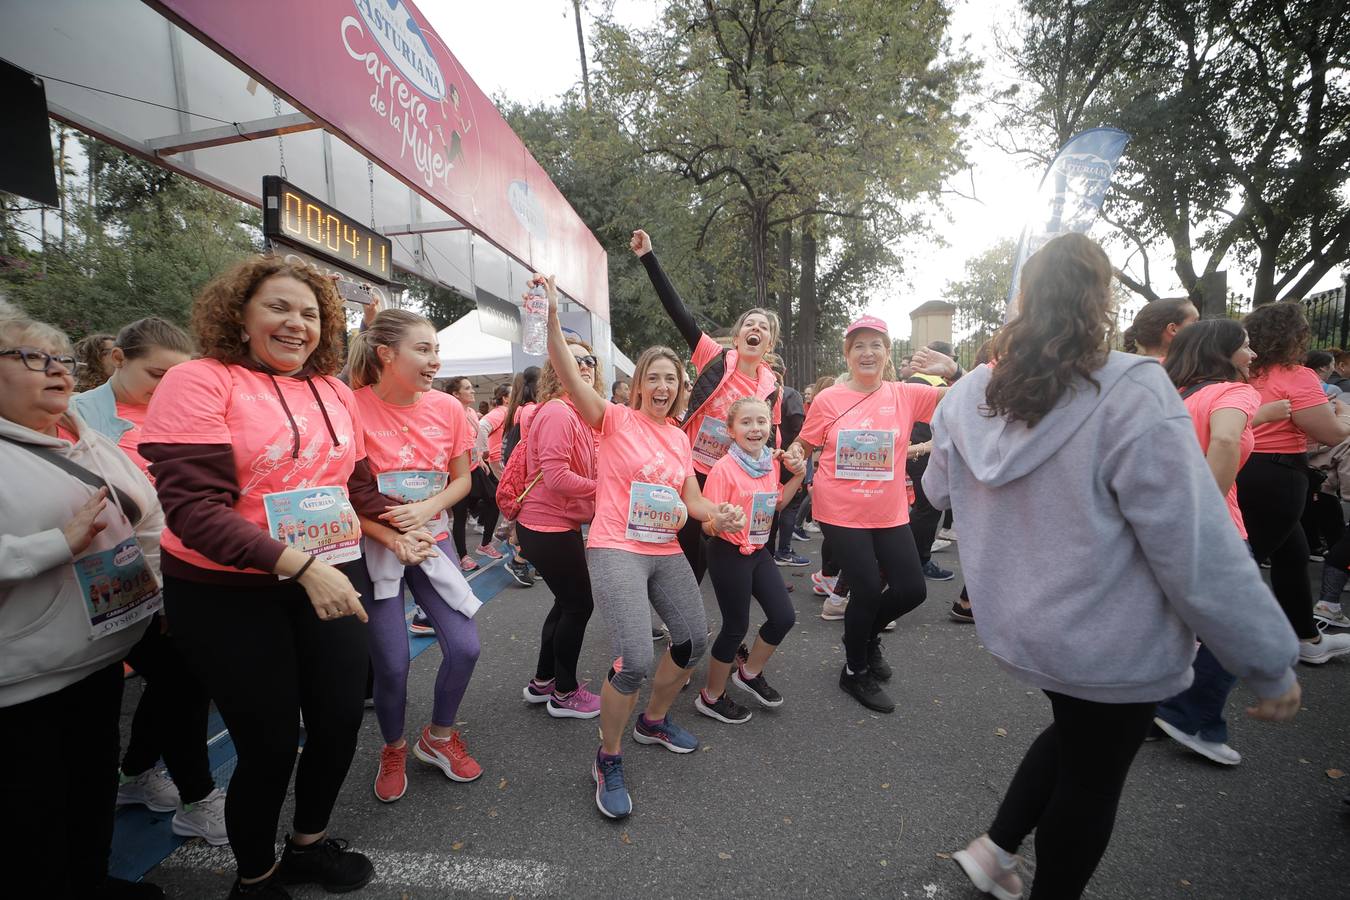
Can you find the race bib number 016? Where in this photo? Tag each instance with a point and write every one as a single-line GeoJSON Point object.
{"type": "Point", "coordinates": [411, 486]}
{"type": "Point", "coordinates": [319, 521]}
{"type": "Point", "coordinates": [118, 588]}
{"type": "Point", "coordinates": [653, 513]}
{"type": "Point", "coordinates": [712, 441]}
{"type": "Point", "coordinates": [865, 455]}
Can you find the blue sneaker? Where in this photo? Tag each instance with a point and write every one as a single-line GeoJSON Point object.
{"type": "Point", "coordinates": [611, 794]}
{"type": "Point", "coordinates": [667, 734]}
{"type": "Point", "coordinates": [933, 572]}
{"type": "Point", "coordinates": [799, 535]}
{"type": "Point", "coordinates": [789, 558]}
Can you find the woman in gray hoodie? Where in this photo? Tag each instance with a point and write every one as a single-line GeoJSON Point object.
{"type": "Point", "coordinates": [1060, 429]}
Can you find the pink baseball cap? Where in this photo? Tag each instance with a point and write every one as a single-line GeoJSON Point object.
{"type": "Point", "coordinates": [871, 322]}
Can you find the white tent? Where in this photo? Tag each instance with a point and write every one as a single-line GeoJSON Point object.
{"type": "Point", "coordinates": [467, 350]}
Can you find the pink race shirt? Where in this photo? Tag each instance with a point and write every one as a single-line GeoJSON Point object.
{"type": "Point", "coordinates": [495, 418]}
{"type": "Point", "coordinates": [205, 401]}
{"type": "Point", "coordinates": [710, 442]}
{"type": "Point", "coordinates": [472, 415]}
{"type": "Point", "coordinates": [635, 450]}
{"type": "Point", "coordinates": [1303, 389]}
{"type": "Point", "coordinates": [423, 436]}
{"type": "Point", "coordinates": [729, 483]}
{"type": "Point", "coordinates": [1228, 395]}
{"type": "Point", "coordinates": [860, 482]}
{"type": "Point", "coordinates": [131, 438]}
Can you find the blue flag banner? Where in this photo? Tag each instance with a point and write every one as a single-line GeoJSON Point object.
{"type": "Point", "coordinates": [1070, 196]}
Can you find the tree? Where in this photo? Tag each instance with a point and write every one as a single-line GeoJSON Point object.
{"type": "Point", "coordinates": [981, 294]}
{"type": "Point", "coordinates": [1238, 110]}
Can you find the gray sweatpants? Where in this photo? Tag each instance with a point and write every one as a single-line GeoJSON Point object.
{"type": "Point", "coordinates": [623, 584]}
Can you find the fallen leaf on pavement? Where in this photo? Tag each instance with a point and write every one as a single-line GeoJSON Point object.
{"type": "Point", "coordinates": [944, 856]}
{"type": "Point", "coordinates": [457, 845]}
{"type": "Point", "coordinates": [501, 785]}
{"type": "Point", "coordinates": [1001, 732]}
{"type": "Point", "coordinates": [1335, 773]}
{"type": "Point", "coordinates": [724, 856]}
{"type": "Point", "coordinates": [625, 838]}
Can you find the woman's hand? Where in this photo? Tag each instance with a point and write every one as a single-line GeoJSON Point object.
{"type": "Point", "coordinates": [641, 244]}
{"type": "Point", "coordinates": [791, 459]}
{"type": "Point", "coordinates": [84, 527]}
{"type": "Point", "coordinates": [1274, 411]}
{"type": "Point", "coordinates": [413, 547]}
{"type": "Point", "coordinates": [1278, 709]}
{"type": "Point", "coordinates": [931, 362]}
{"type": "Point", "coordinates": [411, 516]}
{"type": "Point", "coordinates": [331, 593]}
{"type": "Point", "coordinates": [728, 517]}
{"type": "Point", "coordinates": [915, 451]}
{"type": "Point", "coordinates": [684, 515]}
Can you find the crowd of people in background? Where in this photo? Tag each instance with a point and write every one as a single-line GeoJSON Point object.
{"type": "Point", "coordinates": [237, 514]}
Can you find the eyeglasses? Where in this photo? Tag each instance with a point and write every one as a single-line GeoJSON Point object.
{"type": "Point", "coordinates": [588, 361]}
{"type": "Point", "coordinates": [39, 360]}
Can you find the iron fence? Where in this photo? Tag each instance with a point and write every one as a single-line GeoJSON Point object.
{"type": "Point", "coordinates": [1329, 316]}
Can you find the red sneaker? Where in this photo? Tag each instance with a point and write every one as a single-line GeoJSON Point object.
{"type": "Point", "coordinates": [489, 551]}
{"type": "Point", "coordinates": [449, 755]}
{"type": "Point", "coordinates": [391, 782]}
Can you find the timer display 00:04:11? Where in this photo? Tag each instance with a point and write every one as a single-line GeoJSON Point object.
{"type": "Point", "coordinates": [316, 227]}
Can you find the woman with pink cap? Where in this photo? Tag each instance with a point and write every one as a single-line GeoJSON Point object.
{"type": "Point", "coordinates": [861, 424]}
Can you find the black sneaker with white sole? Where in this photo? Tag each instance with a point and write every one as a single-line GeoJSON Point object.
{"type": "Point", "coordinates": [723, 709]}
{"type": "Point", "coordinates": [520, 571]}
{"type": "Point", "coordinates": [757, 686]}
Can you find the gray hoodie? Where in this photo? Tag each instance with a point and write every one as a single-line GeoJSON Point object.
{"type": "Point", "coordinates": [1096, 545]}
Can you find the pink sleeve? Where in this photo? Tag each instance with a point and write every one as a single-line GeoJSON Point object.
{"type": "Point", "coordinates": [718, 487]}
{"type": "Point", "coordinates": [1238, 396]}
{"type": "Point", "coordinates": [813, 429]}
{"type": "Point", "coordinates": [1302, 387]}
{"type": "Point", "coordinates": [614, 419]}
{"type": "Point", "coordinates": [556, 436]}
{"type": "Point", "coordinates": [189, 406]}
{"type": "Point", "coordinates": [706, 351]}
{"type": "Point", "coordinates": [922, 400]}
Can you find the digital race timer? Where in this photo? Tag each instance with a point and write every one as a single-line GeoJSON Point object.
{"type": "Point", "coordinates": [294, 217]}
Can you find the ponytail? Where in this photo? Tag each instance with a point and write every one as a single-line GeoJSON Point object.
{"type": "Point", "coordinates": [388, 328]}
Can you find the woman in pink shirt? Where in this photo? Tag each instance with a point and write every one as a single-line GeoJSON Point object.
{"type": "Point", "coordinates": [560, 452]}
{"type": "Point", "coordinates": [645, 491]}
{"type": "Point", "coordinates": [861, 424]}
{"type": "Point", "coordinates": [1273, 485]}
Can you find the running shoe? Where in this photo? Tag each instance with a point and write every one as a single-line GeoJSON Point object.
{"type": "Point", "coordinates": [876, 662]}
{"type": "Point", "coordinates": [152, 789]}
{"type": "Point", "coordinates": [811, 528]}
{"type": "Point", "coordinates": [959, 613]}
{"type": "Point", "coordinates": [420, 626]}
{"type": "Point", "coordinates": [1215, 751]}
{"type": "Point", "coordinates": [939, 545]}
{"type": "Point", "coordinates": [981, 864]}
{"type": "Point", "coordinates": [204, 819]}
{"type": "Point", "coordinates": [1329, 647]}
{"type": "Point", "coordinates": [391, 781]}
{"type": "Point", "coordinates": [449, 755]}
{"type": "Point", "coordinates": [666, 733]}
{"type": "Point", "coordinates": [947, 534]}
{"type": "Point", "coordinates": [799, 535]}
{"type": "Point", "coordinates": [723, 709]}
{"type": "Point", "coordinates": [933, 572]}
{"type": "Point", "coordinates": [489, 551]}
{"type": "Point", "coordinates": [538, 691]}
{"type": "Point", "coordinates": [789, 558]}
{"type": "Point", "coordinates": [758, 687]}
{"type": "Point", "coordinates": [520, 571]}
{"type": "Point", "coordinates": [467, 563]}
{"type": "Point", "coordinates": [822, 584]}
{"type": "Point", "coordinates": [833, 608]}
{"type": "Point", "coordinates": [611, 794]}
{"type": "Point", "coordinates": [864, 687]}
{"type": "Point", "coordinates": [580, 704]}
{"type": "Point", "coordinates": [328, 863]}
{"type": "Point", "coordinates": [268, 889]}
{"type": "Point", "coordinates": [660, 634]}
{"type": "Point", "coordinates": [1333, 616]}
{"type": "Point", "coordinates": [477, 526]}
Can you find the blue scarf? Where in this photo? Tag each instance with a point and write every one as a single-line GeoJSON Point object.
{"type": "Point", "coordinates": [755, 467]}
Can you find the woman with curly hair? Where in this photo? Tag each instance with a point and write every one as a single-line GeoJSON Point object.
{"type": "Point", "coordinates": [1273, 486]}
{"type": "Point", "coordinates": [93, 354]}
{"type": "Point", "coordinates": [1100, 444]}
{"type": "Point", "coordinates": [261, 468]}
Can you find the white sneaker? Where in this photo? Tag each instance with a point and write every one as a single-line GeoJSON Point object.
{"type": "Point", "coordinates": [153, 789]}
{"type": "Point", "coordinates": [1332, 616]}
{"type": "Point", "coordinates": [811, 528]}
{"type": "Point", "coordinates": [947, 534]}
{"type": "Point", "coordinates": [1216, 751]}
{"type": "Point", "coordinates": [477, 526]}
{"type": "Point", "coordinates": [1329, 646]}
{"type": "Point", "coordinates": [833, 609]}
{"type": "Point", "coordinates": [890, 626]}
{"type": "Point", "coordinates": [204, 819]}
{"type": "Point", "coordinates": [822, 584]}
{"type": "Point", "coordinates": [939, 545]}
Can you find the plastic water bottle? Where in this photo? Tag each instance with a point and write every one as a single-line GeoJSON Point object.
{"type": "Point", "coordinates": [534, 323]}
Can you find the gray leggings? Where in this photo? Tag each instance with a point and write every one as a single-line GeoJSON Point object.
{"type": "Point", "coordinates": [623, 584]}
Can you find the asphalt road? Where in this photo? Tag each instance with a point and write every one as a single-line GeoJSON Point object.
{"type": "Point", "coordinates": [819, 798]}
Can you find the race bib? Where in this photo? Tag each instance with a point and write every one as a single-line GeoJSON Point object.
{"type": "Point", "coordinates": [319, 521]}
{"type": "Point", "coordinates": [412, 486]}
{"type": "Point", "coordinates": [762, 508]}
{"type": "Point", "coordinates": [118, 588]}
{"type": "Point", "coordinates": [861, 454]}
{"type": "Point", "coordinates": [712, 441]}
{"type": "Point", "coordinates": [653, 513]}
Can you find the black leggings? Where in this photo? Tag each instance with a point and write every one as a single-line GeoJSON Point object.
{"type": "Point", "coordinates": [865, 556]}
{"type": "Point", "coordinates": [481, 499]}
{"type": "Point", "coordinates": [924, 519]}
{"type": "Point", "coordinates": [266, 657]}
{"type": "Point", "coordinates": [735, 579]}
{"type": "Point", "coordinates": [692, 540]}
{"type": "Point", "coordinates": [560, 558]}
{"type": "Point", "coordinates": [171, 716]}
{"type": "Point", "coordinates": [1067, 789]}
{"type": "Point", "coordinates": [829, 566]}
{"type": "Point", "coordinates": [58, 787]}
{"type": "Point", "coordinates": [1271, 496]}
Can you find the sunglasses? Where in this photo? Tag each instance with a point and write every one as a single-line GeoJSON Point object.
{"type": "Point", "coordinates": [588, 361]}
{"type": "Point", "coordinates": [39, 360]}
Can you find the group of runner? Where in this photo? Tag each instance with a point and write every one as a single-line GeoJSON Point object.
{"type": "Point", "coordinates": [232, 468]}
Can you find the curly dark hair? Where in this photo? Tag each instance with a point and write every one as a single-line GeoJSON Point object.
{"type": "Point", "coordinates": [1279, 334]}
{"type": "Point", "coordinates": [218, 312]}
{"type": "Point", "coordinates": [1060, 335]}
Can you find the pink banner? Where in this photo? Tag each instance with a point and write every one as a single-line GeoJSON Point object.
{"type": "Point", "coordinates": [375, 73]}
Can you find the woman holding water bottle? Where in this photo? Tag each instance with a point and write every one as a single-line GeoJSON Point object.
{"type": "Point", "coordinates": [645, 492]}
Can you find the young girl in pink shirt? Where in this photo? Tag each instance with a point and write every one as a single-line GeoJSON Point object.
{"type": "Point", "coordinates": [741, 566]}
{"type": "Point", "coordinates": [645, 492]}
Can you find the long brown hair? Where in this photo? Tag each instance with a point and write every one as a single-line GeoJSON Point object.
{"type": "Point", "coordinates": [89, 353]}
{"type": "Point", "coordinates": [1204, 352]}
{"type": "Point", "coordinates": [524, 388]}
{"type": "Point", "coordinates": [1060, 335]}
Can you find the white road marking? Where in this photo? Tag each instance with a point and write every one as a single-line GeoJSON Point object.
{"type": "Point", "coordinates": [426, 870]}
